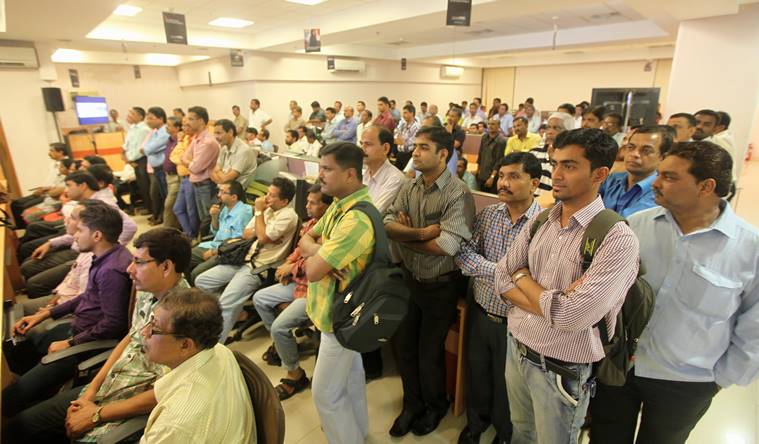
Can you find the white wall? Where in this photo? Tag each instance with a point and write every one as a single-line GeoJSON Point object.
{"type": "Point", "coordinates": [26, 124]}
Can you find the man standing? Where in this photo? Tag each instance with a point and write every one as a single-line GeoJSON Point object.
{"type": "Point", "coordinates": [296, 119]}
{"type": "Point", "coordinates": [173, 127]}
{"type": "Point", "coordinates": [185, 208]}
{"type": "Point", "coordinates": [241, 123]}
{"type": "Point", "coordinates": [135, 137]}
{"type": "Point", "coordinates": [329, 126]}
{"type": "Point", "coordinates": [364, 123]}
{"type": "Point", "coordinates": [533, 117]}
{"type": "Point", "coordinates": [631, 191]}
{"type": "Point", "coordinates": [492, 147]}
{"type": "Point", "coordinates": [494, 231]}
{"type": "Point", "coordinates": [554, 306]}
{"type": "Point", "coordinates": [382, 179]}
{"type": "Point", "coordinates": [384, 117]}
{"type": "Point", "coordinates": [556, 124]}
{"type": "Point", "coordinates": [200, 159]}
{"type": "Point", "coordinates": [473, 116]}
{"type": "Point", "coordinates": [701, 260]}
{"type": "Point", "coordinates": [404, 136]}
{"type": "Point", "coordinates": [258, 118]}
{"type": "Point", "coordinates": [345, 131]}
{"type": "Point", "coordinates": [346, 245]}
{"type": "Point", "coordinates": [684, 125]}
{"type": "Point", "coordinates": [505, 119]}
{"type": "Point", "coordinates": [360, 107]}
{"type": "Point", "coordinates": [429, 219]}
{"type": "Point", "coordinates": [237, 160]}
{"type": "Point", "coordinates": [522, 140]}
{"type": "Point", "coordinates": [155, 150]}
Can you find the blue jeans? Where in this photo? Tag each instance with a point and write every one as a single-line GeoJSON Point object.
{"type": "Point", "coordinates": [185, 208]}
{"type": "Point", "coordinates": [240, 283]}
{"type": "Point", "coordinates": [339, 392]}
{"type": "Point", "coordinates": [204, 195]}
{"type": "Point", "coordinates": [280, 327]}
{"type": "Point", "coordinates": [545, 407]}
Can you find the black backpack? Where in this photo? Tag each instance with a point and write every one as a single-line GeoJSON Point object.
{"type": "Point", "coordinates": [368, 312]}
{"type": "Point", "coordinates": [636, 310]}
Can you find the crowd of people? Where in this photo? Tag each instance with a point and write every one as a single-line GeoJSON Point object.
{"type": "Point", "coordinates": [544, 297]}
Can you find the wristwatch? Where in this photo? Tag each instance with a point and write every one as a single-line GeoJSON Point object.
{"type": "Point", "coordinates": [258, 213]}
{"type": "Point", "coordinates": [96, 415]}
{"type": "Point", "coordinates": [519, 276]}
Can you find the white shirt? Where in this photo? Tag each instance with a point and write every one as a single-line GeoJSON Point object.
{"type": "Point", "coordinates": [470, 119]}
{"type": "Point", "coordinates": [203, 400]}
{"type": "Point", "coordinates": [533, 123]}
{"type": "Point", "coordinates": [360, 129]}
{"type": "Point", "coordinates": [384, 185]}
{"type": "Point", "coordinates": [280, 227]}
{"type": "Point", "coordinates": [255, 119]}
{"type": "Point", "coordinates": [312, 149]}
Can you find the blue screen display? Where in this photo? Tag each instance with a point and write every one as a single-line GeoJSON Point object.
{"type": "Point", "coordinates": [91, 110]}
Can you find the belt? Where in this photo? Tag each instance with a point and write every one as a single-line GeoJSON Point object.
{"type": "Point", "coordinates": [201, 183]}
{"type": "Point", "coordinates": [554, 365]}
{"type": "Point", "coordinates": [451, 276]}
{"type": "Point", "coordinates": [495, 318]}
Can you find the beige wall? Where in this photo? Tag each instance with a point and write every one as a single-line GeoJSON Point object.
{"type": "Point", "coordinates": [498, 82]}
{"type": "Point", "coordinates": [552, 85]}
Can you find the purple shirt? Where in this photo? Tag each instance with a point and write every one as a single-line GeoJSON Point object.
{"type": "Point", "coordinates": [102, 311]}
{"type": "Point", "coordinates": [170, 167]}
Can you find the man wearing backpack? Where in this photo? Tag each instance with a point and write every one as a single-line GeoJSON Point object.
{"type": "Point", "coordinates": [702, 262]}
{"type": "Point", "coordinates": [429, 219]}
{"type": "Point", "coordinates": [555, 306]}
{"type": "Point", "coordinates": [337, 250]}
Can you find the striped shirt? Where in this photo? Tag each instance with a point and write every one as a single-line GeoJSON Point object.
{"type": "Point", "coordinates": [545, 185]}
{"type": "Point", "coordinates": [347, 244]}
{"type": "Point", "coordinates": [492, 236]}
{"type": "Point", "coordinates": [565, 329]}
{"type": "Point", "coordinates": [447, 202]}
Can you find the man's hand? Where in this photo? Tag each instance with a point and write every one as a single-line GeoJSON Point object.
{"type": "Point", "coordinates": [79, 417]}
{"type": "Point", "coordinates": [572, 286]}
{"type": "Point", "coordinates": [260, 204]}
{"type": "Point", "coordinates": [489, 182]}
{"type": "Point", "coordinates": [40, 252]}
{"type": "Point", "coordinates": [28, 322]}
{"type": "Point", "coordinates": [338, 275]}
{"type": "Point", "coordinates": [404, 219]}
{"type": "Point", "coordinates": [214, 210]}
{"type": "Point", "coordinates": [283, 272]}
{"type": "Point", "coordinates": [430, 232]}
{"type": "Point", "coordinates": [208, 254]}
{"type": "Point", "coordinates": [40, 191]}
{"type": "Point", "coordinates": [58, 346]}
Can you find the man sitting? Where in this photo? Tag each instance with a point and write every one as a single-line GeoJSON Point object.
{"type": "Point", "coordinates": [101, 312]}
{"type": "Point", "coordinates": [227, 222]}
{"type": "Point", "coordinates": [291, 289]}
{"type": "Point", "coordinates": [123, 387]}
{"type": "Point", "coordinates": [204, 397]}
{"type": "Point", "coordinates": [273, 227]}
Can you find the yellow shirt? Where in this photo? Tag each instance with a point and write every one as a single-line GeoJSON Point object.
{"type": "Point", "coordinates": [176, 155]}
{"type": "Point", "coordinates": [203, 400]}
{"type": "Point", "coordinates": [515, 144]}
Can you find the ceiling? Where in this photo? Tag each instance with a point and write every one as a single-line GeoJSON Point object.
{"type": "Point", "coordinates": [502, 33]}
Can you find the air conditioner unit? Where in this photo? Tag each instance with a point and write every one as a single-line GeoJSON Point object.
{"type": "Point", "coordinates": [18, 57]}
{"type": "Point", "coordinates": [451, 72]}
{"type": "Point", "coordinates": [348, 65]}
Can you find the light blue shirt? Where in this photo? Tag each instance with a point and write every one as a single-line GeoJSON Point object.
{"type": "Point", "coordinates": [231, 224]}
{"type": "Point", "coordinates": [705, 325]}
{"type": "Point", "coordinates": [507, 122]}
{"type": "Point", "coordinates": [346, 130]}
{"type": "Point", "coordinates": [626, 202]}
{"type": "Point", "coordinates": [133, 141]}
{"type": "Point", "coordinates": [155, 147]}
{"type": "Point", "coordinates": [327, 131]}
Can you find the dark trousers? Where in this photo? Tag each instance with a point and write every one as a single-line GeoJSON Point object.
{"type": "Point", "coordinates": [42, 380]}
{"type": "Point", "coordinates": [44, 422]}
{"type": "Point", "coordinates": [143, 181]}
{"type": "Point", "coordinates": [199, 265]}
{"type": "Point", "coordinates": [670, 410]}
{"type": "Point", "coordinates": [487, 189]}
{"type": "Point", "coordinates": [22, 203]}
{"type": "Point", "coordinates": [372, 362]}
{"type": "Point", "coordinates": [420, 340]}
{"type": "Point", "coordinates": [43, 275]}
{"type": "Point", "coordinates": [487, 400]}
{"type": "Point", "coordinates": [38, 233]}
{"type": "Point", "coordinates": [157, 192]}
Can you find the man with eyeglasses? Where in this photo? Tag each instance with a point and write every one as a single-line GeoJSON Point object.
{"type": "Point", "coordinates": [632, 190]}
{"type": "Point", "coordinates": [123, 388]}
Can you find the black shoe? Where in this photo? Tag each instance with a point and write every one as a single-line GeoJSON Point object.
{"type": "Point", "coordinates": [402, 424]}
{"type": "Point", "coordinates": [499, 440]}
{"type": "Point", "coordinates": [427, 422]}
{"type": "Point", "coordinates": [467, 437]}
{"type": "Point", "coordinates": [372, 376]}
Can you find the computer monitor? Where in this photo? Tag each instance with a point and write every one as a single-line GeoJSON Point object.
{"type": "Point", "coordinates": [91, 110]}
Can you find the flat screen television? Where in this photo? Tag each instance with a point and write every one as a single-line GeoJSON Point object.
{"type": "Point", "coordinates": [91, 110]}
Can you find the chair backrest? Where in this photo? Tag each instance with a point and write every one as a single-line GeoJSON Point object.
{"type": "Point", "coordinates": [267, 409]}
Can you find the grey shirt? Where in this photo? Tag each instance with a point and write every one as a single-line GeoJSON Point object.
{"type": "Point", "coordinates": [447, 202]}
{"type": "Point", "coordinates": [239, 157]}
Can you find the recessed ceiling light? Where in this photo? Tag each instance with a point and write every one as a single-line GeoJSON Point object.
{"type": "Point", "coordinates": [63, 55]}
{"type": "Point", "coordinates": [226, 22]}
{"type": "Point", "coordinates": [307, 2]}
{"type": "Point", "coordinates": [127, 10]}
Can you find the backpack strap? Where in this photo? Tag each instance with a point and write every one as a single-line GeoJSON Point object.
{"type": "Point", "coordinates": [539, 221]}
{"type": "Point", "coordinates": [381, 242]}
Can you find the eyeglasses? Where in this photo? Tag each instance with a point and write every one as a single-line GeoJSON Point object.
{"type": "Point", "coordinates": [153, 331]}
{"type": "Point", "coordinates": [143, 261]}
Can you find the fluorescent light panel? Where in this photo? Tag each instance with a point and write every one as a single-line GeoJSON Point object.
{"type": "Point", "coordinates": [127, 10]}
{"type": "Point", "coordinates": [63, 55]}
{"type": "Point", "coordinates": [307, 2]}
{"type": "Point", "coordinates": [227, 22]}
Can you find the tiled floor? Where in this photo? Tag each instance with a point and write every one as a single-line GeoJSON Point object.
{"type": "Point", "coordinates": [732, 418]}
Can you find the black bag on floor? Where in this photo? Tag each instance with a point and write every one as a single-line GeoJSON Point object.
{"type": "Point", "coordinates": [368, 312]}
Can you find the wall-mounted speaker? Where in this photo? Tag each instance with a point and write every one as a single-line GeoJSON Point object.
{"type": "Point", "coordinates": [53, 99]}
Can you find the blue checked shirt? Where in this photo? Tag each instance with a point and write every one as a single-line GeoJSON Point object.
{"type": "Point", "coordinates": [492, 236]}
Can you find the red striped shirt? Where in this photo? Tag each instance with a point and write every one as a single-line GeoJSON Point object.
{"type": "Point", "coordinates": [565, 331]}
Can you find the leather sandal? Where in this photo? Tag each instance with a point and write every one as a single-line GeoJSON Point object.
{"type": "Point", "coordinates": [296, 386]}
